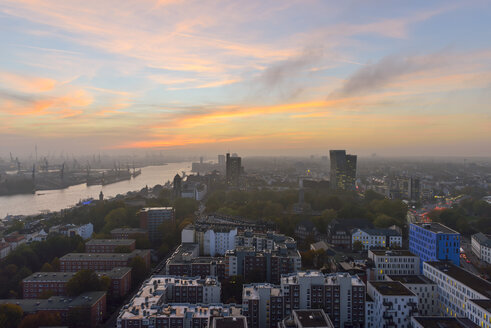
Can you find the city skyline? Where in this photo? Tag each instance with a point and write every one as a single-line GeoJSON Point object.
{"type": "Point", "coordinates": [289, 78]}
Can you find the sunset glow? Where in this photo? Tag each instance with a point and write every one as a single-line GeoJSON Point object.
{"type": "Point", "coordinates": [293, 76]}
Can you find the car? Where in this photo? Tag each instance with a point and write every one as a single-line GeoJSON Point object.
{"type": "Point", "coordinates": [468, 261]}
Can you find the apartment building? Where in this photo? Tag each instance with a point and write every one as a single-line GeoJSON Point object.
{"type": "Point", "coordinates": [151, 218]}
{"type": "Point", "coordinates": [129, 233]}
{"type": "Point", "coordinates": [41, 284]}
{"type": "Point", "coordinates": [393, 304]}
{"type": "Point", "coordinates": [109, 245]}
{"type": "Point", "coordinates": [376, 238]}
{"type": "Point", "coordinates": [456, 287]}
{"type": "Point", "coordinates": [174, 289]}
{"type": "Point", "coordinates": [341, 296]}
{"type": "Point", "coordinates": [146, 310]}
{"type": "Point", "coordinates": [393, 262]}
{"type": "Point", "coordinates": [479, 312]}
{"type": "Point", "coordinates": [307, 318]}
{"type": "Point", "coordinates": [73, 262]}
{"type": "Point", "coordinates": [481, 246]}
{"type": "Point", "coordinates": [441, 322]}
{"type": "Point", "coordinates": [185, 261]}
{"type": "Point", "coordinates": [91, 306]}
{"type": "Point", "coordinates": [425, 289]}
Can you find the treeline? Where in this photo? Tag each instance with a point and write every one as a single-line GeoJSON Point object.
{"type": "Point", "coordinates": [468, 217]}
{"type": "Point", "coordinates": [276, 206]}
{"type": "Point", "coordinates": [29, 258]}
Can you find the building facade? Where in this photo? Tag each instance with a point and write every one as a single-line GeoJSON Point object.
{"type": "Point", "coordinates": [393, 304]}
{"type": "Point", "coordinates": [434, 242]}
{"type": "Point", "coordinates": [109, 245]}
{"type": "Point", "coordinates": [73, 262]}
{"type": "Point", "coordinates": [151, 218]}
{"type": "Point", "coordinates": [343, 170]}
{"type": "Point", "coordinates": [455, 287]}
{"type": "Point", "coordinates": [481, 247]}
{"type": "Point", "coordinates": [376, 238]}
{"type": "Point", "coordinates": [425, 289]}
{"type": "Point", "coordinates": [393, 262]}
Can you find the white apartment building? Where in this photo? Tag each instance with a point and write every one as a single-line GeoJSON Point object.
{"type": "Point", "coordinates": [376, 238]}
{"type": "Point", "coordinates": [481, 246]}
{"type": "Point", "coordinates": [212, 242]}
{"type": "Point", "coordinates": [393, 304]}
{"type": "Point", "coordinates": [393, 262]}
{"type": "Point", "coordinates": [369, 312]}
{"type": "Point", "coordinates": [441, 322]}
{"type": "Point", "coordinates": [425, 289]}
{"type": "Point", "coordinates": [479, 312]}
{"type": "Point", "coordinates": [455, 287]}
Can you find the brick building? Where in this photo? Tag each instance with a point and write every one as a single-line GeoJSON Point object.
{"type": "Point", "coordinates": [85, 310]}
{"type": "Point", "coordinates": [108, 245]}
{"type": "Point", "coordinates": [73, 262]}
{"type": "Point", "coordinates": [54, 283]}
{"type": "Point", "coordinates": [129, 233]}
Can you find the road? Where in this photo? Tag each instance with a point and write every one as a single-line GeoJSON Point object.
{"type": "Point", "coordinates": [468, 252]}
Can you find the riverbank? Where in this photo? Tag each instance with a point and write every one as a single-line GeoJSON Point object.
{"type": "Point", "coordinates": [58, 199]}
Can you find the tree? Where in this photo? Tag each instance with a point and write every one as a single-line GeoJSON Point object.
{"type": "Point", "coordinates": [83, 281]}
{"type": "Point", "coordinates": [357, 246]}
{"type": "Point", "coordinates": [142, 243]}
{"type": "Point", "coordinates": [10, 315]}
{"type": "Point", "coordinates": [185, 207]}
{"type": "Point", "coordinates": [384, 221]}
{"type": "Point", "coordinates": [40, 319]}
{"type": "Point", "coordinates": [55, 264]}
{"type": "Point", "coordinates": [139, 270]}
{"type": "Point", "coordinates": [47, 267]}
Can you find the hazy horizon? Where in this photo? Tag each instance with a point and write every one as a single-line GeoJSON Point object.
{"type": "Point", "coordinates": [256, 78]}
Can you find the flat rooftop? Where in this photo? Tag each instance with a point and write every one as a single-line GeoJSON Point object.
{"type": "Point", "coordinates": [229, 322]}
{"type": "Point", "coordinates": [55, 302]}
{"type": "Point", "coordinates": [485, 304]}
{"type": "Point", "coordinates": [391, 288]}
{"type": "Point", "coordinates": [444, 322]}
{"type": "Point", "coordinates": [129, 230]}
{"type": "Point", "coordinates": [397, 252]}
{"type": "Point", "coordinates": [411, 279]}
{"type": "Point", "coordinates": [463, 276]}
{"type": "Point", "coordinates": [115, 273]}
{"type": "Point", "coordinates": [116, 242]}
{"type": "Point", "coordinates": [436, 227]}
{"type": "Point", "coordinates": [103, 256]}
{"type": "Point", "coordinates": [312, 318]}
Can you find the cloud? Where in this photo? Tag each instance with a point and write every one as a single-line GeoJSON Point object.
{"type": "Point", "coordinates": [373, 77]}
{"type": "Point", "coordinates": [26, 83]}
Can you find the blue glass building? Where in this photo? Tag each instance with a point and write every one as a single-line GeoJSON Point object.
{"type": "Point", "coordinates": [434, 242]}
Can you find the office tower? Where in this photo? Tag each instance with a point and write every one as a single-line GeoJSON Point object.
{"type": "Point", "coordinates": [343, 170]}
{"type": "Point", "coordinates": [233, 171]}
{"type": "Point", "coordinates": [434, 242]}
{"type": "Point", "coordinates": [221, 160]}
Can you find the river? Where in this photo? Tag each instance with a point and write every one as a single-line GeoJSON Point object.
{"type": "Point", "coordinates": [55, 200]}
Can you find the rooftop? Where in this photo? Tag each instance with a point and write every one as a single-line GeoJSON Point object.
{"type": "Point", "coordinates": [482, 239]}
{"type": "Point", "coordinates": [485, 304]}
{"type": "Point", "coordinates": [444, 322]}
{"type": "Point", "coordinates": [312, 318]}
{"type": "Point", "coordinates": [229, 322]}
{"type": "Point", "coordinates": [397, 252]}
{"type": "Point", "coordinates": [436, 227]}
{"type": "Point", "coordinates": [55, 302]}
{"type": "Point", "coordinates": [129, 230]}
{"type": "Point", "coordinates": [391, 288]}
{"type": "Point", "coordinates": [117, 242]}
{"type": "Point", "coordinates": [103, 256]}
{"type": "Point", "coordinates": [115, 273]}
{"type": "Point", "coordinates": [380, 232]}
{"type": "Point", "coordinates": [410, 279]}
{"type": "Point", "coordinates": [463, 276]}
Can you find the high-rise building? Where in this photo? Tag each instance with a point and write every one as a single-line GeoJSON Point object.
{"type": "Point", "coordinates": [221, 160]}
{"type": "Point", "coordinates": [343, 170]}
{"type": "Point", "coordinates": [177, 186]}
{"type": "Point", "coordinates": [233, 170]}
{"type": "Point", "coordinates": [151, 218]}
{"type": "Point", "coordinates": [434, 242]}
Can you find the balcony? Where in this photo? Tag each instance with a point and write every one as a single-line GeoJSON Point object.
{"type": "Point", "coordinates": [387, 316]}
{"type": "Point", "coordinates": [387, 304]}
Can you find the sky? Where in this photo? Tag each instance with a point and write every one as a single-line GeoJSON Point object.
{"type": "Point", "coordinates": [253, 77]}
